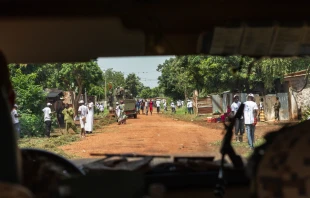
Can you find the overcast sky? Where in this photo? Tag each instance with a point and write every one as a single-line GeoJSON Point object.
{"type": "Point", "coordinates": [144, 67]}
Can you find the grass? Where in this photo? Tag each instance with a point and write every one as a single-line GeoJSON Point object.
{"type": "Point", "coordinates": [241, 148]}
{"type": "Point", "coordinates": [181, 114]}
{"type": "Point", "coordinates": [49, 144]}
{"type": "Point", "coordinates": [56, 140]}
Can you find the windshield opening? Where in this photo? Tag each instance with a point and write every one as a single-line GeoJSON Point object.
{"type": "Point", "coordinates": [160, 105]}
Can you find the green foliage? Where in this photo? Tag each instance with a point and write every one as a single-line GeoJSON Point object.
{"type": "Point", "coordinates": [133, 84]}
{"type": "Point", "coordinates": [147, 92]}
{"type": "Point", "coordinates": [306, 114]}
{"type": "Point", "coordinates": [31, 125]}
{"type": "Point", "coordinates": [30, 97]}
{"type": "Point", "coordinates": [181, 75]}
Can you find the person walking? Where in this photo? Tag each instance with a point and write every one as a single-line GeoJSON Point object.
{"type": "Point", "coordinates": [277, 107]}
{"type": "Point", "coordinates": [239, 123]}
{"type": "Point", "coordinates": [142, 104]}
{"type": "Point", "coordinates": [146, 106]}
{"type": "Point", "coordinates": [89, 126]}
{"type": "Point", "coordinates": [151, 106]}
{"type": "Point", "coordinates": [15, 120]}
{"type": "Point", "coordinates": [68, 116]}
{"type": "Point", "coordinates": [173, 107]}
{"type": "Point", "coordinates": [158, 106]}
{"type": "Point", "coordinates": [82, 111]}
{"type": "Point", "coordinates": [138, 106]}
{"type": "Point", "coordinates": [122, 112]}
{"type": "Point", "coordinates": [47, 119]}
{"type": "Point", "coordinates": [250, 118]}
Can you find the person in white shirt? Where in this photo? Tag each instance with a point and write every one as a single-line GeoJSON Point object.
{"type": "Point", "coordinates": [158, 105]}
{"type": "Point", "coordinates": [165, 105]}
{"type": "Point", "coordinates": [101, 108]}
{"type": "Point", "coordinates": [83, 111]}
{"type": "Point", "coordinates": [146, 105]}
{"type": "Point", "coordinates": [239, 123]}
{"type": "Point", "coordinates": [15, 120]}
{"type": "Point", "coordinates": [48, 119]}
{"type": "Point", "coordinates": [250, 118]}
{"type": "Point", "coordinates": [190, 107]}
{"type": "Point", "coordinates": [173, 107]}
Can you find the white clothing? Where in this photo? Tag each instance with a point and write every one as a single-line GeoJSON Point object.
{"type": "Point", "coordinates": [235, 106]}
{"type": "Point", "coordinates": [47, 114]}
{"type": "Point", "coordinates": [84, 110]}
{"type": "Point", "coordinates": [189, 104]}
{"type": "Point", "coordinates": [172, 105]}
{"type": "Point", "coordinates": [14, 119]}
{"type": "Point", "coordinates": [146, 104]}
{"type": "Point", "coordinates": [83, 113]}
{"type": "Point", "coordinates": [117, 111]}
{"type": "Point", "coordinates": [158, 103]}
{"type": "Point", "coordinates": [249, 107]}
{"type": "Point", "coordinates": [90, 118]}
{"type": "Point", "coordinates": [101, 108]}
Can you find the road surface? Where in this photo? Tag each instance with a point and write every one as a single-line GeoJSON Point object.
{"type": "Point", "coordinates": [154, 134]}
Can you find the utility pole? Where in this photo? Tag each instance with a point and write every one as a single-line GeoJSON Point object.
{"type": "Point", "coordinates": [85, 96]}
{"type": "Point", "coordinates": [105, 85]}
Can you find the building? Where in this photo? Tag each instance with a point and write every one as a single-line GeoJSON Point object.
{"type": "Point", "coordinates": [299, 93]}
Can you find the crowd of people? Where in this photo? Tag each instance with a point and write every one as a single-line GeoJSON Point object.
{"type": "Point", "coordinates": [145, 106]}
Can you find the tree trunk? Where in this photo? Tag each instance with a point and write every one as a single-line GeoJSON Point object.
{"type": "Point", "coordinates": [76, 100]}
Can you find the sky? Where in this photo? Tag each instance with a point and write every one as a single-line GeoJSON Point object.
{"type": "Point", "coordinates": [144, 67]}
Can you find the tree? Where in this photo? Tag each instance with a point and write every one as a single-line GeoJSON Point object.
{"type": "Point", "coordinates": [133, 84]}
{"type": "Point", "coordinates": [80, 76]}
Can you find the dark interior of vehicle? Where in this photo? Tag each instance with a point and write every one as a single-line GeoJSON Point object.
{"type": "Point", "coordinates": [67, 31]}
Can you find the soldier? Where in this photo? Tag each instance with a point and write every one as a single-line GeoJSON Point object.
{"type": "Point", "coordinates": [68, 113]}
{"type": "Point", "coordinates": [277, 107]}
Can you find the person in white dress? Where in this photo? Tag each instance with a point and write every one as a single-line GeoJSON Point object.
{"type": "Point", "coordinates": [90, 118]}
{"type": "Point", "coordinates": [83, 111]}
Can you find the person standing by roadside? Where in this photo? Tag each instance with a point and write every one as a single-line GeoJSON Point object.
{"type": "Point", "coordinates": [47, 119]}
{"type": "Point", "coordinates": [142, 104]}
{"type": "Point", "coordinates": [68, 113]}
{"type": "Point", "coordinates": [90, 118]}
{"type": "Point", "coordinates": [277, 107]}
{"type": "Point", "coordinates": [101, 108]}
{"type": "Point", "coordinates": [83, 110]}
{"type": "Point", "coordinates": [15, 120]}
{"type": "Point", "coordinates": [122, 112]}
{"type": "Point", "coordinates": [250, 118]}
{"type": "Point", "coordinates": [138, 106]}
{"type": "Point", "coordinates": [146, 106]}
{"type": "Point", "coordinates": [189, 106]}
{"type": "Point", "coordinates": [239, 123]}
{"type": "Point", "coordinates": [165, 105]}
{"type": "Point", "coordinates": [158, 106]}
{"type": "Point", "coordinates": [151, 106]}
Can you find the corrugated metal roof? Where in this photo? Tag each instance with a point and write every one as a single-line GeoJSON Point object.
{"type": "Point", "coordinates": [53, 94]}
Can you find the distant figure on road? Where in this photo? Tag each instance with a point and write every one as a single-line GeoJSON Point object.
{"type": "Point", "coordinates": [250, 118]}
{"type": "Point", "coordinates": [142, 104]}
{"type": "Point", "coordinates": [82, 111]}
{"type": "Point", "coordinates": [138, 106]}
{"type": "Point", "coordinates": [277, 107]}
{"type": "Point", "coordinates": [151, 106]}
{"type": "Point", "coordinates": [90, 118]}
{"type": "Point", "coordinates": [158, 105]}
{"type": "Point", "coordinates": [165, 105]}
{"type": "Point", "coordinates": [146, 106]}
{"type": "Point", "coordinates": [239, 123]}
{"type": "Point", "coordinates": [68, 113]}
{"type": "Point", "coordinates": [123, 117]}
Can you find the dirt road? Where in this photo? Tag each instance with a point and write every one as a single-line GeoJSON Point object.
{"type": "Point", "coordinates": [148, 135]}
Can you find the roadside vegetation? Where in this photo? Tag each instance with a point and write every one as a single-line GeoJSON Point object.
{"type": "Point", "coordinates": [59, 137]}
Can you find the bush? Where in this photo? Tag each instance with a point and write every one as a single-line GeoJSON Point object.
{"type": "Point", "coordinates": [306, 114]}
{"type": "Point", "coordinates": [31, 125]}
